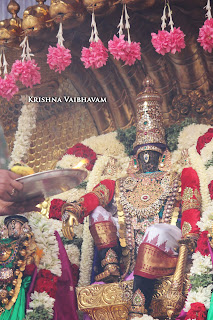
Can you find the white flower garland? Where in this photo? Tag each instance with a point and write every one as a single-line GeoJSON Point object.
{"type": "Point", "coordinates": [26, 125]}
{"type": "Point", "coordinates": [41, 299]}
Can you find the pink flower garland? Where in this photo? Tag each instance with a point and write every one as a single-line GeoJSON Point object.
{"type": "Point", "coordinates": [8, 87]}
{"type": "Point", "coordinates": [95, 56]}
{"type": "Point", "coordinates": [206, 35]}
{"type": "Point", "coordinates": [27, 72]}
{"type": "Point", "coordinates": [58, 58]}
{"type": "Point", "coordinates": [165, 41]}
{"type": "Point", "coordinates": [121, 49]}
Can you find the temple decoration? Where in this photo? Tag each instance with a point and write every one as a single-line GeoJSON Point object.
{"type": "Point", "coordinates": [64, 10]}
{"type": "Point", "coordinates": [165, 41]}
{"type": "Point", "coordinates": [11, 29]}
{"type": "Point", "coordinates": [96, 55]}
{"type": "Point", "coordinates": [26, 126]}
{"type": "Point", "coordinates": [100, 7]}
{"type": "Point", "coordinates": [126, 50]}
{"type": "Point", "coordinates": [59, 58]}
{"type": "Point", "coordinates": [206, 31]}
{"type": "Point", "coordinates": [26, 70]}
{"type": "Point", "coordinates": [36, 18]}
{"type": "Point", "coordinates": [194, 105]}
{"type": "Point", "coordinates": [8, 87]}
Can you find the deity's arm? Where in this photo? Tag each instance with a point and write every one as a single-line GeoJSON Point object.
{"type": "Point", "coordinates": [101, 195]}
{"type": "Point", "coordinates": [191, 203]}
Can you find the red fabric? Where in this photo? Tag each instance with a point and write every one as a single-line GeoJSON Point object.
{"type": "Point", "coordinates": [190, 179]}
{"type": "Point", "coordinates": [204, 139]}
{"type": "Point", "coordinates": [197, 312]}
{"type": "Point", "coordinates": [91, 201]}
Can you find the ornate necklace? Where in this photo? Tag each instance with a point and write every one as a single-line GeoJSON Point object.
{"type": "Point", "coordinates": [143, 195]}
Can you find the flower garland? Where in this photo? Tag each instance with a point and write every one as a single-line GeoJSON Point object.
{"type": "Point", "coordinates": [165, 41]}
{"type": "Point", "coordinates": [26, 70]}
{"type": "Point", "coordinates": [59, 58]}
{"type": "Point", "coordinates": [206, 31]}
{"type": "Point", "coordinates": [96, 55]}
{"type": "Point", "coordinates": [8, 87]}
{"type": "Point", "coordinates": [197, 139]}
{"type": "Point", "coordinates": [26, 125]}
{"type": "Point", "coordinates": [127, 51]}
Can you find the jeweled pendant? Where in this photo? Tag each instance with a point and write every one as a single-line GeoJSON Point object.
{"type": "Point", "coordinates": [146, 157]}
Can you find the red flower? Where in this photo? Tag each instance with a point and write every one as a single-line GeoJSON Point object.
{"type": "Point", "coordinates": [204, 139]}
{"type": "Point", "coordinates": [80, 150]}
{"type": "Point", "coordinates": [55, 209]}
{"type": "Point", "coordinates": [211, 189]}
{"type": "Point", "coordinates": [197, 311]}
{"type": "Point", "coordinates": [202, 244]}
{"type": "Point", "coordinates": [29, 269]}
{"type": "Point", "coordinates": [47, 282]}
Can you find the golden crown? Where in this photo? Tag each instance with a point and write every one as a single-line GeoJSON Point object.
{"type": "Point", "coordinates": [150, 134]}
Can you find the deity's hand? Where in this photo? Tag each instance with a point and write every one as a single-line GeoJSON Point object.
{"type": "Point", "coordinates": [190, 242]}
{"type": "Point", "coordinates": [69, 219]}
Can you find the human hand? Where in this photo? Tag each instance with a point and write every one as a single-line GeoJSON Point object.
{"type": "Point", "coordinates": [10, 208]}
{"type": "Point", "coordinates": [9, 185]}
{"type": "Point", "coordinates": [69, 220]}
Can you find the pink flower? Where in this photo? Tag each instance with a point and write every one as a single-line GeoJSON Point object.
{"type": "Point", "coordinates": [117, 46]}
{"type": "Point", "coordinates": [177, 40]}
{"type": "Point", "coordinates": [161, 41]}
{"type": "Point", "coordinates": [206, 35]}
{"type": "Point", "coordinates": [132, 52]}
{"type": "Point", "coordinates": [8, 87]}
{"type": "Point", "coordinates": [58, 58]}
{"type": "Point", "coordinates": [121, 49]}
{"type": "Point", "coordinates": [27, 72]}
{"type": "Point", "coordinates": [95, 56]}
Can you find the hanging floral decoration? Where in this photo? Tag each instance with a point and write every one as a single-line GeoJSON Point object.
{"type": "Point", "coordinates": [126, 50]}
{"type": "Point", "coordinates": [206, 32]}
{"type": "Point", "coordinates": [26, 70]}
{"type": "Point", "coordinates": [59, 57]}
{"type": "Point", "coordinates": [8, 86]}
{"type": "Point", "coordinates": [96, 55]}
{"type": "Point", "coordinates": [165, 41]}
{"type": "Point", "coordinates": [26, 125]}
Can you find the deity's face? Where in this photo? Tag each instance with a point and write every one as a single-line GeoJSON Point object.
{"type": "Point", "coordinates": [148, 161]}
{"type": "Point", "coordinates": [14, 229]}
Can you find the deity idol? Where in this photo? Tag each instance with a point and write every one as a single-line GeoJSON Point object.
{"type": "Point", "coordinates": [134, 212]}
{"type": "Point", "coordinates": [17, 250]}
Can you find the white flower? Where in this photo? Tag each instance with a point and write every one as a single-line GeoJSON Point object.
{"type": "Point", "coordinates": [201, 264]}
{"type": "Point", "coordinates": [202, 295]}
{"type": "Point", "coordinates": [42, 299]}
{"type": "Point", "coordinates": [26, 125]}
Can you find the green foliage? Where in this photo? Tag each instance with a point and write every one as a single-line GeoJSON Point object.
{"type": "Point", "coordinates": [38, 314]}
{"type": "Point", "coordinates": [202, 280]}
{"type": "Point", "coordinates": [76, 241]}
{"type": "Point", "coordinates": [209, 163]}
{"type": "Point", "coordinates": [127, 137]}
{"type": "Point", "coordinates": [82, 185]}
{"type": "Point", "coordinates": [172, 132]}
